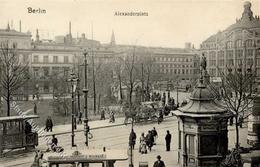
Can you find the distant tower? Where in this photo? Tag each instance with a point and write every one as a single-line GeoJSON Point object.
{"type": "Point", "coordinates": [69, 36]}
{"type": "Point", "coordinates": [70, 28]}
{"type": "Point", "coordinates": [8, 27]}
{"type": "Point", "coordinates": [113, 40]}
{"type": "Point", "coordinates": [20, 26]}
{"type": "Point", "coordinates": [37, 36]}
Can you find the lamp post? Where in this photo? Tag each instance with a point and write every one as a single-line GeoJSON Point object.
{"type": "Point", "coordinates": [131, 164]}
{"type": "Point", "coordinates": [85, 91]}
{"type": "Point", "coordinates": [73, 79]}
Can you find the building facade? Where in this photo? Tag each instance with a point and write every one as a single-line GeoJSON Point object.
{"type": "Point", "coordinates": [236, 46]}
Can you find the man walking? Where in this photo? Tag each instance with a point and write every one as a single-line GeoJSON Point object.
{"type": "Point", "coordinates": [102, 114]}
{"type": "Point", "coordinates": [35, 108]}
{"type": "Point", "coordinates": [132, 139]}
{"type": "Point", "coordinates": [159, 162]}
{"type": "Point", "coordinates": [155, 135]}
{"type": "Point", "coordinates": [168, 139]}
{"type": "Point", "coordinates": [48, 124]}
{"type": "Point", "coordinates": [80, 117]}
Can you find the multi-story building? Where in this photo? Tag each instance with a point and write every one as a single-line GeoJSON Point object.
{"type": "Point", "coordinates": [167, 64]}
{"type": "Point", "coordinates": [51, 61]}
{"type": "Point", "coordinates": [238, 45]}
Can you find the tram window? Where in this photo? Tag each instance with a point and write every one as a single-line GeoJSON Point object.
{"type": "Point", "coordinates": [12, 127]}
{"type": "Point", "coordinates": [1, 128]}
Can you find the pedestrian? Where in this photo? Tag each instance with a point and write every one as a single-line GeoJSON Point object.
{"type": "Point", "coordinates": [149, 140]}
{"type": "Point", "coordinates": [142, 147]}
{"type": "Point", "coordinates": [35, 108]}
{"type": "Point", "coordinates": [48, 124]}
{"type": "Point", "coordinates": [160, 119]}
{"type": "Point", "coordinates": [155, 135]}
{"type": "Point", "coordinates": [80, 117]}
{"type": "Point", "coordinates": [54, 143]}
{"type": "Point", "coordinates": [112, 117]}
{"type": "Point", "coordinates": [102, 114]}
{"type": "Point", "coordinates": [159, 162]}
{"type": "Point", "coordinates": [132, 139]}
{"type": "Point", "coordinates": [168, 139]}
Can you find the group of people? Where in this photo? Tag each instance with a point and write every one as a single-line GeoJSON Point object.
{"type": "Point", "coordinates": [156, 96]}
{"type": "Point", "coordinates": [148, 141]}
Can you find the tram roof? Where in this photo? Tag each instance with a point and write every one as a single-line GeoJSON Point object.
{"type": "Point", "coordinates": [24, 117]}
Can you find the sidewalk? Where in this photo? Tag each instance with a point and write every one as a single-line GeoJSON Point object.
{"type": "Point", "coordinates": [97, 124]}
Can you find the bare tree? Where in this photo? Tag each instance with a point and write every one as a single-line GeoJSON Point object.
{"type": "Point", "coordinates": [131, 79]}
{"type": "Point", "coordinates": [237, 93]}
{"type": "Point", "coordinates": [14, 72]}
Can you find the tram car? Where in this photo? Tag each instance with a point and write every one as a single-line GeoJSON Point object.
{"type": "Point", "coordinates": [16, 132]}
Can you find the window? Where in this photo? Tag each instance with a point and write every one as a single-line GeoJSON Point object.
{"type": "Point", "coordinates": [258, 62]}
{"type": "Point", "coordinates": [229, 44]}
{"type": "Point", "coordinates": [55, 59]}
{"type": "Point", "coordinates": [249, 43]}
{"type": "Point", "coordinates": [46, 87]}
{"type": "Point", "coordinates": [36, 72]}
{"type": "Point", "coordinates": [45, 59]}
{"type": "Point", "coordinates": [25, 58]}
{"type": "Point", "coordinates": [190, 145]}
{"type": "Point", "coordinates": [35, 58]}
{"type": "Point", "coordinates": [239, 43]}
{"type": "Point", "coordinates": [66, 59]}
{"type": "Point", "coordinates": [209, 146]}
{"type": "Point", "coordinates": [45, 71]}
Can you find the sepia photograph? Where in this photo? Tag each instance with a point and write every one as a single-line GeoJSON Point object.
{"type": "Point", "coordinates": [130, 83]}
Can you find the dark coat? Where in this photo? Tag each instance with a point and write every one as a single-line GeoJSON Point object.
{"type": "Point", "coordinates": [154, 133]}
{"type": "Point", "coordinates": [159, 164]}
{"type": "Point", "coordinates": [49, 123]}
{"type": "Point", "coordinates": [168, 138]}
{"type": "Point", "coordinates": [132, 138]}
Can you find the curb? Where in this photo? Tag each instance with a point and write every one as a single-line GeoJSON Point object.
{"type": "Point", "coordinates": [101, 127]}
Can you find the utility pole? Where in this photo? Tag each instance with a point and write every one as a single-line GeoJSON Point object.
{"type": "Point", "coordinates": [85, 91]}
{"type": "Point", "coordinates": [73, 81]}
{"type": "Point", "coordinates": [93, 71]}
{"type": "Point", "coordinates": [78, 92]}
{"type": "Point", "coordinates": [142, 95]}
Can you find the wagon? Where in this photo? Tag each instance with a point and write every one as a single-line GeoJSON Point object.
{"type": "Point", "coordinates": [148, 111]}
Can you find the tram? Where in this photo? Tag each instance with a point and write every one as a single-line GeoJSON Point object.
{"type": "Point", "coordinates": [16, 132]}
{"type": "Point", "coordinates": [86, 158]}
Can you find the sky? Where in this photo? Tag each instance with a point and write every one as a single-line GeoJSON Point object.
{"type": "Point", "coordinates": [170, 23]}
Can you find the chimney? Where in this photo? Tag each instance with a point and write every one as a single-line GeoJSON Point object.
{"type": "Point", "coordinates": [20, 26]}
{"type": "Point", "coordinates": [70, 28]}
{"type": "Point", "coordinates": [37, 35]}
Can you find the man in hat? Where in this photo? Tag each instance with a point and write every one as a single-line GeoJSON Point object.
{"type": "Point", "coordinates": [168, 139]}
{"type": "Point", "coordinates": [159, 162]}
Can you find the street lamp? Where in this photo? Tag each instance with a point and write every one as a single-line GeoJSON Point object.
{"type": "Point", "coordinates": [85, 91]}
{"type": "Point", "coordinates": [73, 79]}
